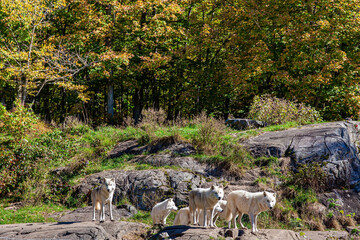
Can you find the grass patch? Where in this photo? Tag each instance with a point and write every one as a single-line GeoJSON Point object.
{"type": "Point", "coordinates": [30, 214]}
{"type": "Point", "coordinates": [141, 217]}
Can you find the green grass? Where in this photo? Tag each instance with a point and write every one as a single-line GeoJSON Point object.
{"type": "Point", "coordinates": [141, 217]}
{"type": "Point", "coordinates": [30, 214]}
{"type": "Point", "coordinates": [145, 217]}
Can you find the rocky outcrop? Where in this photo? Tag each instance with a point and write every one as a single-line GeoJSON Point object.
{"type": "Point", "coordinates": [167, 143]}
{"type": "Point", "coordinates": [334, 144]}
{"type": "Point", "coordinates": [199, 233]}
{"type": "Point", "coordinates": [86, 214]}
{"type": "Point", "coordinates": [242, 124]}
{"type": "Point", "coordinates": [75, 230]}
{"type": "Point", "coordinates": [147, 187]}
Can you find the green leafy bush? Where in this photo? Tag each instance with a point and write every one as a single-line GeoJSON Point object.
{"type": "Point", "coordinates": [16, 123]}
{"type": "Point", "coordinates": [309, 176]}
{"type": "Point", "coordinates": [275, 110]}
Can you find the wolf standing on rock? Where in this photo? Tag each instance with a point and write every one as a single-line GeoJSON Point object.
{"type": "Point", "coordinates": [240, 202]}
{"type": "Point", "coordinates": [161, 211]}
{"type": "Point", "coordinates": [204, 199]}
{"type": "Point", "coordinates": [102, 195]}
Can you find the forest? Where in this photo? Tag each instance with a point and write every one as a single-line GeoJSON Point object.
{"type": "Point", "coordinates": [105, 61]}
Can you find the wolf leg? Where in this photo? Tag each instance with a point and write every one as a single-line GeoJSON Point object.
{"type": "Point", "coordinates": [240, 222]}
{"type": "Point", "coordinates": [256, 229]}
{"type": "Point", "coordinates": [102, 214]}
{"type": "Point", "coordinates": [234, 217]}
{"type": "Point", "coordinates": [93, 199]}
{"type": "Point", "coordinates": [252, 219]}
{"type": "Point", "coordinates": [110, 210]}
{"type": "Point", "coordinates": [212, 217]}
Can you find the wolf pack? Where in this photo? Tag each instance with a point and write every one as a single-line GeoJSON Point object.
{"type": "Point", "coordinates": [206, 205]}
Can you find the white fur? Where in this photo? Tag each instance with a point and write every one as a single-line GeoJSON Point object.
{"type": "Point", "coordinates": [240, 202]}
{"type": "Point", "coordinates": [102, 195]}
{"type": "Point", "coordinates": [182, 217]}
{"type": "Point", "coordinates": [204, 199]}
{"type": "Point", "coordinates": [217, 210]}
{"type": "Point", "coordinates": [161, 211]}
{"type": "Point", "coordinates": [222, 204]}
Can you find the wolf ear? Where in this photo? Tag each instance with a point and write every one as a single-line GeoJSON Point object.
{"type": "Point", "coordinates": [113, 179]}
{"type": "Point", "coordinates": [275, 195]}
{"type": "Point", "coordinates": [212, 187]}
{"type": "Point", "coordinates": [264, 194]}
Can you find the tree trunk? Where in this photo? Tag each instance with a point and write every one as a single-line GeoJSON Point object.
{"type": "Point", "coordinates": [22, 91]}
{"type": "Point", "coordinates": [63, 106]}
{"type": "Point", "coordinates": [110, 101]}
{"type": "Point", "coordinates": [138, 105]}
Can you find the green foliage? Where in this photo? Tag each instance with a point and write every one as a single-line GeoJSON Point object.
{"type": "Point", "coordinates": [309, 176]}
{"type": "Point", "coordinates": [300, 197]}
{"type": "Point", "coordinates": [16, 123]}
{"type": "Point", "coordinates": [279, 111]}
{"type": "Point", "coordinates": [142, 217]}
{"type": "Point", "coordinates": [29, 214]}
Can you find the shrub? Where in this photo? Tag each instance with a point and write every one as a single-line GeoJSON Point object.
{"type": "Point", "coordinates": [16, 123]}
{"type": "Point", "coordinates": [278, 111]}
{"type": "Point", "coordinates": [209, 136]}
{"type": "Point", "coordinates": [74, 126]}
{"type": "Point", "coordinates": [153, 117]}
{"type": "Point", "coordinates": [309, 176]}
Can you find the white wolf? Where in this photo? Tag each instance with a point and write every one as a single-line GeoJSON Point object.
{"type": "Point", "coordinates": [222, 204]}
{"type": "Point", "coordinates": [240, 202]}
{"type": "Point", "coordinates": [161, 211]}
{"type": "Point", "coordinates": [102, 195]}
{"type": "Point", "coordinates": [182, 217]}
{"type": "Point", "coordinates": [204, 199]}
{"type": "Point", "coordinates": [217, 209]}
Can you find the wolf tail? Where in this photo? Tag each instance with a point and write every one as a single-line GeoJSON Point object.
{"type": "Point", "coordinates": [97, 205]}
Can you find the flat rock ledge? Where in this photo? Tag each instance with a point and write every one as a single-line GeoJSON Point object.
{"type": "Point", "coordinates": [136, 231]}
{"type": "Point", "coordinates": [75, 230]}
{"type": "Point", "coordinates": [199, 233]}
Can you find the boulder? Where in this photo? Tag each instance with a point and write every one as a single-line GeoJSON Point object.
{"type": "Point", "coordinates": [197, 233]}
{"type": "Point", "coordinates": [334, 144]}
{"type": "Point", "coordinates": [74, 230]}
{"type": "Point", "coordinates": [146, 187]}
{"type": "Point", "coordinates": [243, 124]}
{"type": "Point", "coordinates": [86, 214]}
{"type": "Point", "coordinates": [127, 147]}
{"type": "Point", "coordinates": [163, 144]}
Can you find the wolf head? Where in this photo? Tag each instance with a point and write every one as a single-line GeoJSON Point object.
{"type": "Point", "coordinates": [109, 184]}
{"type": "Point", "coordinates": [217, 192]}
{"type": "Point", "coordinates": [270, 199]}
{"type": "Point", "coordinates": [171, 205]}
{"type": "Point", "coordinates": [217, 208]}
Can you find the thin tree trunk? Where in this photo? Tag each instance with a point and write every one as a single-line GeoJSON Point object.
{"type": "Point", "coordinates": [110, 102]}
{"type": "Point", "coordinates": [63, 103]}
{"type": "Point", "coordinates": [138, 105]}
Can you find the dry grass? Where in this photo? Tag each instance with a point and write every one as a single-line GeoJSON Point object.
{"type": "Point", "coordinates": [333, 223]}
{"type": "Point", "coordinates": [209, 136]}
{"type": "Point", "coordinates": [346, 221]}
{"type": "Point", "coordinates": [153, 117]}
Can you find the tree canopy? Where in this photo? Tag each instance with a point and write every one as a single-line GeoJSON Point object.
{"type": "Point", "coordinates": [109, 60]}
